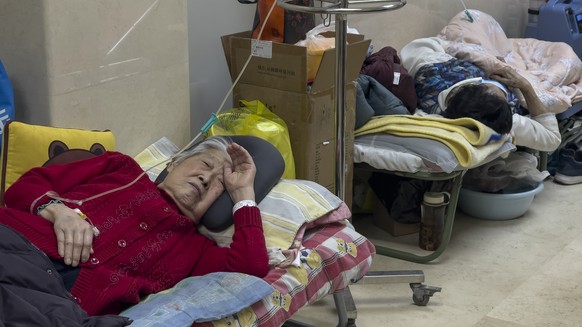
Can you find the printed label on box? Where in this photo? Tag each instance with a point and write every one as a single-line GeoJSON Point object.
{"type": "Point", "coordinates": [263, 49]}
{"type": "Point", "coordinates": [274, 70]}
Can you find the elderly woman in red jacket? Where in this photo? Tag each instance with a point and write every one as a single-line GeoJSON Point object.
{"type": "Point", "coordinates": [121, 236]}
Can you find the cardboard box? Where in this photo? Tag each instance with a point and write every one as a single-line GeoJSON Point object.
{"type": "Point", "coordinates": [278, 78]}
{"type": "Point", "coordinates": [382, 219]}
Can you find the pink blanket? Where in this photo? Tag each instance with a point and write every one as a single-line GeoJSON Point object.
{"type": "Point", "coordinates": [553, 69]}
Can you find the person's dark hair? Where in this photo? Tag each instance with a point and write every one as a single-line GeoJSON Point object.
{"type": "Point", "coordinates": [477, 102]}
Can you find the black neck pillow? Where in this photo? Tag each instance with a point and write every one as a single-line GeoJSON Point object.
{"type": "Point", "coordinates": [270, 167]}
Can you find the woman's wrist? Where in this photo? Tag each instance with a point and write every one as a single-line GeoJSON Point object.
{"type": "Point", "coordinates": [243, 203]}
{"type": "Point", "coordinates": [43, 206]}
{"type": "Point", "coordinates": [247, 193]}
{"type": "Point", "coordinates": [49, 211]}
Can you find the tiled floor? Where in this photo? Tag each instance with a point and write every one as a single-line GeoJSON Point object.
{"type": "Point", "coordinates": [517, 273]}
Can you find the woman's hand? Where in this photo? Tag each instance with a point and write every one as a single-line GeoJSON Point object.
{"type": "Point", "coordinates": [509, 77]}
{"type": "Point", "coordinates": [74, 234]}
{"type": "Point", "coordinates": [239, 177]}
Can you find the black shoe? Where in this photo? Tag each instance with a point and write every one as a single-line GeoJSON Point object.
{"type": "Point", "coordinates": [569, 166]}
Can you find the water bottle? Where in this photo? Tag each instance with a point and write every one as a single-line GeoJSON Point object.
{"type": "Point", "coordinates": [432, 220]}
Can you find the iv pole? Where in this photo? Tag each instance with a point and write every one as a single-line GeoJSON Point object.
{"type": "Point", "coordinates": [344, 302]}
{"type": "Point", "coordinates": [341, 10]}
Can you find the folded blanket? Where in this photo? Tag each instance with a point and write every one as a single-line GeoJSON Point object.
{"type": "Point", "coordinates": [471, 141]}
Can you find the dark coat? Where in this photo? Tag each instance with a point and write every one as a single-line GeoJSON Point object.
{"type": "Point", "coordinates": [373, 99]}
{"type": "Point", "coordinates": [382, 66]}
{"type": "Point", "coordinates": [32, 293]}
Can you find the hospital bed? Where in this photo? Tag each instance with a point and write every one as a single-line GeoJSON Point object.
{"type": "Point", "coordinates": [424, 159]}
{"type": "Point", "coordinates": [316, 251]}
{"type": "Point", "coordinates": [556, 79]}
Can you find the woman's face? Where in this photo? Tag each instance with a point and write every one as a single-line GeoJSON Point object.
{"type": "Point", "coordinates": [196, 182]}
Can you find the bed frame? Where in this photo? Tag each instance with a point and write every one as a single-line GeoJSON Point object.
{"type": "Point", "coordinates": [457, 178]}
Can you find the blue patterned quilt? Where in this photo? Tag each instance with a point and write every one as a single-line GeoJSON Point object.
{"type": "Point", "coordinates": [198, 299]}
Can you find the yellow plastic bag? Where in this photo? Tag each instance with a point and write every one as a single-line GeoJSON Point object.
{"type": "Point", "coordinates": [254, 118]}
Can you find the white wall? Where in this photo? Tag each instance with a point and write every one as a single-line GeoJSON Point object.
{"type": "Point", "coordinates": [159, 94]}
{"type": "Point", "coordinates": [30, 52]}
{"type": "Point", "coordinates": [424, 18]}
{"type": "Point", "coordinates": [114, 64]}
{"type": "Point", "coordinates": [208, 20]}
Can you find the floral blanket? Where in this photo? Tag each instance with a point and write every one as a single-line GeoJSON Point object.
{"type": "Point", "coordinates": [553, 68]}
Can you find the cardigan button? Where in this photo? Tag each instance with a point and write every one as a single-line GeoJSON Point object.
{"type": "Point", "coordinates": [122, 243]}
{"type": "Point", "coordinates": [49, 271]}
{"type": "Point", "coordinates": [143, 226]}
{"type": "Point", "coordinates": [94, 261]}
{"type": "Point", "coordinates": [166, 209]}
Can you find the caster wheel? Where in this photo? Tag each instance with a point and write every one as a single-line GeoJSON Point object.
{"type": "Point", "coordinates": [351, 323]}
{"type": "Point", "coordinates": [421, 301]}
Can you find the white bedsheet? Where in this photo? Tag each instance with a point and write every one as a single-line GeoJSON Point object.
{"type": "Point", "coordinates": [412, 154]}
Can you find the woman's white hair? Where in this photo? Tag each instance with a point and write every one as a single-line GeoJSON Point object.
{"type": "Point", "coordinates": [213, 142]}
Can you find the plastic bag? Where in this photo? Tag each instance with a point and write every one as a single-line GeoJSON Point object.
{"type": "Point", "coordinates": [254, 118]}
{"type": "Point", "coordinates": [514, 174]}
{"type": "Point", "coordinates": [316, 45]}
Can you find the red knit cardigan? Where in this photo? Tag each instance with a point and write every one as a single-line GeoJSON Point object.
{"type": "Point", "coordinates": [145, 244]}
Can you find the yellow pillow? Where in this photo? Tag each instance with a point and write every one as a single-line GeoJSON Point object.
{"type": "Point", "coordinates": [27, 146]}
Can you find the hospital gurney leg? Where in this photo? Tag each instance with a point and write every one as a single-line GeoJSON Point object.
{"type": "Point", "coordinates": [457, 177]}
{"type": "Point", "coordinates": [420, 293]}
{"type": "Point", "coordinates": [345, 307]}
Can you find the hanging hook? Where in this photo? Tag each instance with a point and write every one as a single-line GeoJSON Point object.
{"type": "Point", "coordinates": [326, 18]}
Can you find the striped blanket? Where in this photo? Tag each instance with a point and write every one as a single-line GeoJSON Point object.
{"type": "Point", "coordinates": [291, 207]}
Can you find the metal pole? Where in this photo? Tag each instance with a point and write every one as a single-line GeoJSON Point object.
{"type": "Point", "coordinates": [341, 29]}
{"type": "Point", "coordinates": [340, 9]}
